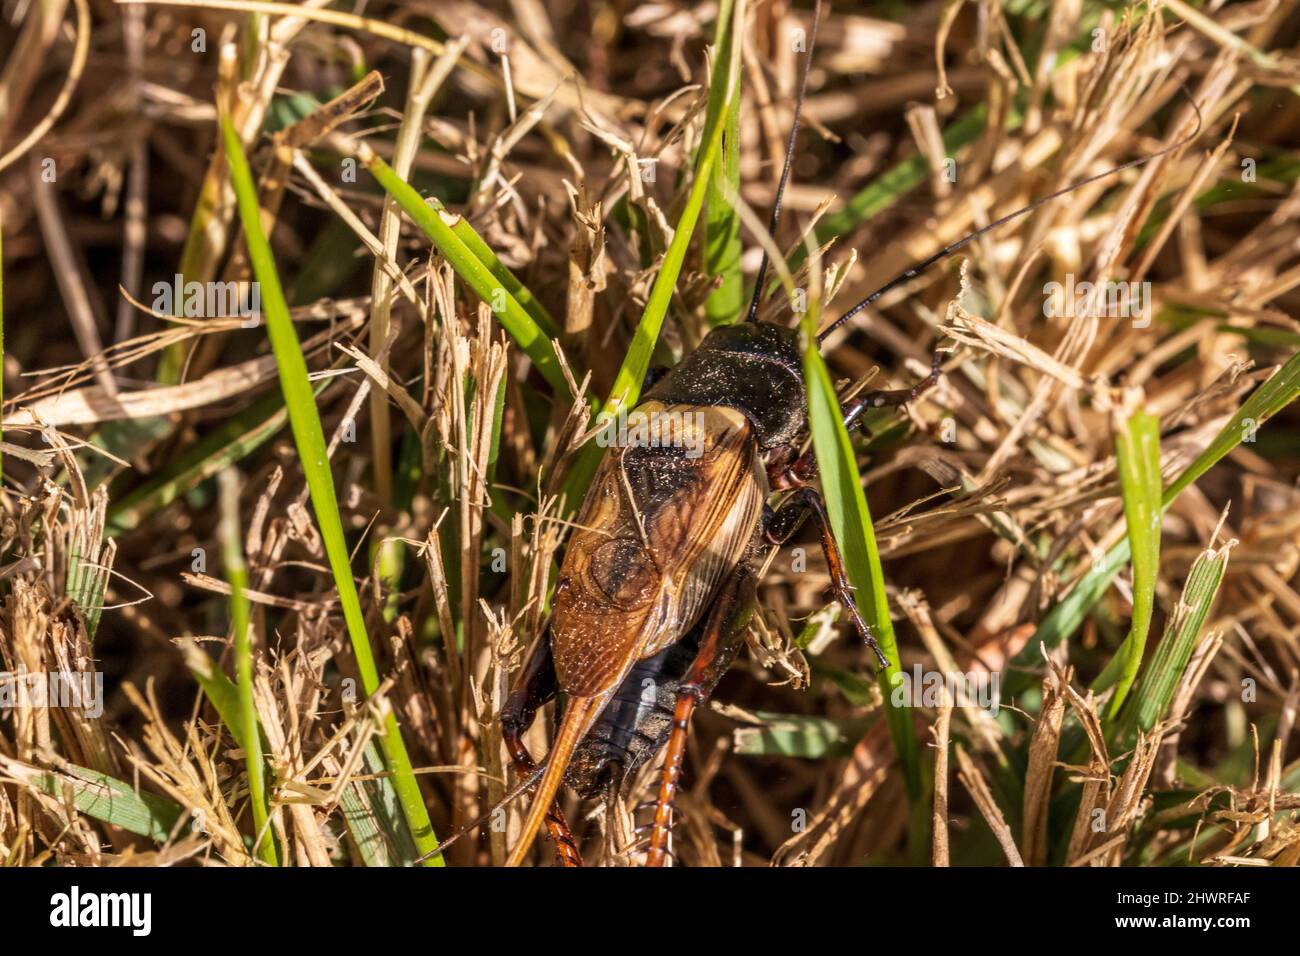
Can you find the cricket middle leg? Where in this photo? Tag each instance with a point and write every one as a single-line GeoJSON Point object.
{"type": "Point", "coordinates": [780, 525]}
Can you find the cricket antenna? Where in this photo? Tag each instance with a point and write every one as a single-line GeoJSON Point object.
{"type": "Point", "coordinates": [752, 315]}
{"type": "Point", "coordinates": [915, 270]}
{"type": "Point", "coordinates": [519, 789]}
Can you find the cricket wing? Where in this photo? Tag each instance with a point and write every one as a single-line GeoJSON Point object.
{"type": "Point", "coordinates": [668, 515]}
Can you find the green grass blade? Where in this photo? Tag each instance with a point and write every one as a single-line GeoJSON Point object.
{"type": "Point", "coordinates": [372, 814]}
{"type": "Point", "coordinates": [87, 578]}
{"type": "Point", "coordinates": [722, 246]}
{"type": "Point", "coordinates": [1162, 676]}
{"type": "Point", "coordinates": [304, 420]}
{"type": "Point", "coordinates": [799, 735]}
{"type": "Point", "coordinates": [846, 505]}
{"type": "Point", "coordinates": [108, 799]}
{"type": "Point", "coordinates": [627, 384]}
{"type": "Point", "coordinates": [1280, 390]}
{"type": "Point", "coordinates": [219, 689]}
{"type": "Point", "coordinates": [491, 280]}
{"type": "Point", "coordinates": [362, 821]}
{"type": "Point", "coordinates": [508, 280]}
{"type": "Point", "coordinates": [1137, 451]}
{"type": "Point", "coordinates": [232, 558]}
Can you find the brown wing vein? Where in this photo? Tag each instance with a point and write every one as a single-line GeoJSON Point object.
{"type": "Point", "coordinates": [657, 533]}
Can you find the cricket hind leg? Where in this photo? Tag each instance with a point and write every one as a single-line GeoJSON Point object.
{"type": "Point", "coordinates": [535, 686]}
{"type": "Point", "coordinates": [720, 640]}
{"type": "Point", "coordinates": [780, 525]}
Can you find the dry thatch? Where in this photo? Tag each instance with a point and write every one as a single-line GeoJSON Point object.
{"type": "Point", "coordinates": [995, 494]}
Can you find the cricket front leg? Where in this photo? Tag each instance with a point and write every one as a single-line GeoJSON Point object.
{"type": "Point", "coordinates": [723, 630]}
{"type": "Point", "coordinates": [789, 469]}
{"type": "Point", "coordinates": [885, 398]}
{"type": "Point", "coordinates": [535, 686]}
{"type": "Point", "coordinates": [780, 525]}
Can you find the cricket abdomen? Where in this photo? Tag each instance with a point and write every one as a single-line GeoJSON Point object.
{"type": "Point", "coordinates": [634, 726]}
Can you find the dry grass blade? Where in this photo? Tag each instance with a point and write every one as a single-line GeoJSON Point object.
{"type": "Point", "coordinates": [973, 780]}
{"type": "Point", "coordinates": [1042, 766]}
{"type": "Point", "coordinates": [470, 228]}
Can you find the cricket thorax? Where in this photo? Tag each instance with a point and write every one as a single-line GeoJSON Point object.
{"type": "Point", "coordinates": [755, 368]}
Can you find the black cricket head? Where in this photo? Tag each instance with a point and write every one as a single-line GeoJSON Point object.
{"type": "Point", "coordinates": [754, 367]}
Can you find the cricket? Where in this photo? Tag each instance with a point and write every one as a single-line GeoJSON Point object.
{"type": "Point", "coordinates": [779, 433]}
